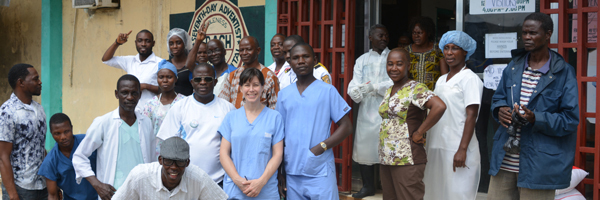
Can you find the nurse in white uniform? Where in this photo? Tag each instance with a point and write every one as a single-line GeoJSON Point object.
{"type": "Point", "coordinates": [453, 166]}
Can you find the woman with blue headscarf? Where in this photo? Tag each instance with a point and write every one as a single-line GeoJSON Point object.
{"type": "Point", "coordinates": [453, 167]}
{"type": "Point", "coordinates": [156, 109]}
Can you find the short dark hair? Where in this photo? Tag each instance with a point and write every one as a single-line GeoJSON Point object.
{"type": "Point", "coordinates": [403, 51]}
{"type": "Point", "coordinates": [128, 77]}
{"type": "Point", "coordinates": [59, 118]}
{"type": "Point", "coordinates": [249, 73]}
{"type": "Point", "coordinates": [146, 31]}
{"type": "Point", "coordinates": [16, 72]}
{"type": "Point", "coordinates": [295, 38]}
{"type": "Point", "coordinates": [303, 45]}
{"type": "Point", "coordinates": [426, 24]}
{"type": "Point", "coordinates": [545, 19]}
{"type": "Point", "coordinates": [376, 26]}
{"type": "Point", "coordinates": [207, 66]}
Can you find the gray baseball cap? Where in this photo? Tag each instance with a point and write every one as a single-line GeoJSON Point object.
{"type": "Point", "coordinates": [175, 148]}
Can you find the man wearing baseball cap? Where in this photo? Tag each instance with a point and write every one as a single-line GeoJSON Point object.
{"type": "Point", "coordinates": [172, 177]}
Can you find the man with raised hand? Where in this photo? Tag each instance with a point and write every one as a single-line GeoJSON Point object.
{"type": "Point", "coordinates": [308, 107]}
{"type": "Point", "coordinates": [123, 139]}
{"type": "Point", "coordinates": [196, 119]}
{"type": "Point", "coordinates": [58, 166]}
{"type": "Point", "coordinates": [249, 51]}
{"type": "Point", "coordinates": [22, 136]}
{"type": "Point", "coordinates": [144, 65]}
{"type": "Point", "coordinates": [172, 177]}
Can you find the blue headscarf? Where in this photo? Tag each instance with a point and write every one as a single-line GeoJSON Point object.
{"type": "Point", "coordinates": [164, 64]}
{"type": "Point", "coordinates": [460, 39]}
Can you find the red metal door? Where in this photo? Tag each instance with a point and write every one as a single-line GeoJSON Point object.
{"type": "Point", "coordinates": [326, 25]}
{"type": "Point", "coordinates": [573, 36]}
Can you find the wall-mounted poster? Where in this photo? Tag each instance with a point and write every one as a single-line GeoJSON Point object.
{"type": "Point", "coordinates": [499, 45]}
{"type": "Point", "coordinates": [480, 7]}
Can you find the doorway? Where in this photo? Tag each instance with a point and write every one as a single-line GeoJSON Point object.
{"type": "Point", "coordinates": [395, 15]}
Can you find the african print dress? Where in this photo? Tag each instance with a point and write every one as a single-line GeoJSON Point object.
{"type": "Point", "coordinates": [425, 67]}
{"type": "Point", "coordinates": [402, 114]}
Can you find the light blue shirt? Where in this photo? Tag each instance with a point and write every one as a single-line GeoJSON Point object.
{"type": "Point", "coordinates": [307, 120]}
{"type": "Point", "coordinates": [251, 148]}
{"type": "Point", "coordinates": [130, 152]}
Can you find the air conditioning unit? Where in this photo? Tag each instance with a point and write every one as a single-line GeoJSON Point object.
{"type": "Point", "coordinates": [93, 4]}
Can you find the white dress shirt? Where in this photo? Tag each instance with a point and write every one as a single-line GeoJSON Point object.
{"type": "Point", "coordinates": [144, 182]}
{"type": "Point", "coordinates": [197, 123]}
{"type": "Point", "coordinates": [145, 71]}
{"type": "Point", "coordinates": [103, 135]}
{"type": "Point", "coordinates": [286, 75]}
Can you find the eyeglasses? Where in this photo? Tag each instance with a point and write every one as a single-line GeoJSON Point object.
{"type": "Point", "coordinates": [169, 162]}
{"type": "Point", "coordinates": [208, 79]}
{"type": "Point", "coordinates": [209, 52]}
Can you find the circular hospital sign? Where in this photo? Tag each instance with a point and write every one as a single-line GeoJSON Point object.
{"type": "Point", "coordinates": [226, 24]}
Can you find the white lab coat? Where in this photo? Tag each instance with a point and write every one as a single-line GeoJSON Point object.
{"type": "Point", "coordinates": [443, 140]}
{"type": "Point", "coordinates": [371, 68]}
{"type": "Point", "coordinates": [103, 135]}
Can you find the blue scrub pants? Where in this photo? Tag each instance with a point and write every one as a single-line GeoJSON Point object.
{"type": "Point", "coordinates": [313, 188]}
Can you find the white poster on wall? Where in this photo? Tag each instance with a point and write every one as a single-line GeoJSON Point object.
{"type": "Point", "coordinates": [499, 45]}
{"type": "Point", "coordinates": [492, 75]}
{"type": "Point", "coordinates": [480, 7]}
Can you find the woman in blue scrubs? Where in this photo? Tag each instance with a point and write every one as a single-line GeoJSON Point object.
{"type": "Point", "coordinates": [252, 144]}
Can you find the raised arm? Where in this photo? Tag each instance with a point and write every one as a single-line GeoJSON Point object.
{"type": "Point", "coordinates": [6, 171]}
{"type": "Point", "coordinates": [191, 59]}
{"type": "Point", "coordinates": [110, 52]}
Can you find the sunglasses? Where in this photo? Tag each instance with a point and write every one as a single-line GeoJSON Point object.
{"type": "Point", "coordinates": [169, 162]}
{"type": "Point", "coordinates": [208, 79]}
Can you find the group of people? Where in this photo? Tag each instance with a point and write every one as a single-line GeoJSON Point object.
{"type": "Point", "coordinates": [195, 127]}
{"type": "Point", "coordinates": [428, 92]}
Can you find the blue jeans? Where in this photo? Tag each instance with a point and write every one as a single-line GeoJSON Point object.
{"type": "Point", "coordinates": [25, 194]}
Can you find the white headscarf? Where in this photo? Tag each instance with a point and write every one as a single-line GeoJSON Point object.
{"type": "Point", "coordinates": [183, 35]}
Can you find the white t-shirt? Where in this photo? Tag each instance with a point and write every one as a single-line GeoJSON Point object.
{"type": "Point", "coordinates": [286, 75]}
{"type": "Point", "coordinates": [197, 123]}
{"type": "Point", "coordinates": [144, 71]}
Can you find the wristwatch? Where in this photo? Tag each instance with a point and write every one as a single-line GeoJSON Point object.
{"type": "Point", "coordinates": [324, 146]}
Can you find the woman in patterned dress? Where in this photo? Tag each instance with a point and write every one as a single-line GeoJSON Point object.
{"type": "Point", "coordinates": [156, 109]}
{"type": "Point", "coordinates": [426, 58]}
{"type": "Point", "coordinates": [402, 134]}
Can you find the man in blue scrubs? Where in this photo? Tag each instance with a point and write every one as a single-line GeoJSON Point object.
{"type": "Point", "coordinates": [57, 166]}
{"type": "Point", "coordinates": [308, 107]}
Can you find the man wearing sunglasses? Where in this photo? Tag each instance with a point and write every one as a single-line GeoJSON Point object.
{"type": "Point", "coordinates": [196, 119]}
{"type": "Point", "coordinates": [172, 177]}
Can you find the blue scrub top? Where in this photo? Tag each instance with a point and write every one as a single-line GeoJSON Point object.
{"type": "Point", "coordinates": [251, 148]}
{"type": "Point", "coordinates": [59, 168]}
{"type": "Point", "coordinates": [307, 120]}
